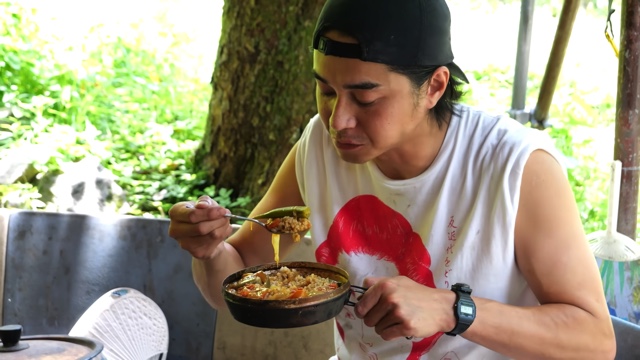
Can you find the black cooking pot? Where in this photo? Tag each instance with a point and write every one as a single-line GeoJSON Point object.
{"type": "Point", "coordinates": [51, 347]}
{"type": "Point", "coordinates": [290, 313]}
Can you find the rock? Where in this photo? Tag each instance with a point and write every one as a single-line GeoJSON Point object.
{"type": "Point", "coordinates": [83, 187]}
{"type": "Point", "coordinates": [16, 163]}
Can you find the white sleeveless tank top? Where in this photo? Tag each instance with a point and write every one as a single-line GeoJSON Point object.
{"type": "Point", "coordinates": [452, 223]}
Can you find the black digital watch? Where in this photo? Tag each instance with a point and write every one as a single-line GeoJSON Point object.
{"type": "Point", "coordinates": [464, 308]}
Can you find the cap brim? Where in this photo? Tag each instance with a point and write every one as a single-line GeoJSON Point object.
{"type": "Point", "coordinates": [457, 72]}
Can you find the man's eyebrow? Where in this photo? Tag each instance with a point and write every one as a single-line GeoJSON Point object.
{"type": "Point", "coordinates": [319, 78]}
{"type": "Point", "coordinates": [365, 85]}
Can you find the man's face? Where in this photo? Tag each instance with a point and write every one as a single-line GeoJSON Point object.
{"type": "Point", "coordinates": [368, 110]}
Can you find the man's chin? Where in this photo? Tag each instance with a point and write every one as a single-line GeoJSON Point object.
{"type": "Point", "coordinates": [354, 158]}
{"type": "Point", "coordinates": [355, 155]}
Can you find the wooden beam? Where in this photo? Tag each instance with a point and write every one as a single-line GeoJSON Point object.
{"type": "Point", "coordinates": [627, 134]}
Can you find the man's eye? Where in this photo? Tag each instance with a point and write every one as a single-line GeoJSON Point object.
{"type": "Point", "coordinates": [324, 90]}
{"type": "Point", "coordinates": [363, 103]}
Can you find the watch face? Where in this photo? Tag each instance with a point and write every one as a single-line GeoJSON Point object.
{"type": "Point", "coordinates": [466, 310]}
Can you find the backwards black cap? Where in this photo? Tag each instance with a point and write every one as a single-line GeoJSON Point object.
{"type": "Point", "coordinates": [391, 32]}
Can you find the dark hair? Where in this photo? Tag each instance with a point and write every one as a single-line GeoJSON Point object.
{"type": "Point", "coordinates": [419, 75]}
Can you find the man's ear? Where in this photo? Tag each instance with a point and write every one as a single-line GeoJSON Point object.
{"type": "Point", "coordinates": [434, 88]}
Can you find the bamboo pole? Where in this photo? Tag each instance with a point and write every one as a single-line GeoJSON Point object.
{"type": "Point", "coordinates": [556, 57]}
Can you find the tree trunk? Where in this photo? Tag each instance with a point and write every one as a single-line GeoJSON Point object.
{"type": "Point", "coordinates": [263, 92]}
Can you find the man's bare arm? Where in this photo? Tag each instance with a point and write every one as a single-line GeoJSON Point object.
{"type": "Point", "coordinates": [200, 227]}
{"type": "Point", "coordinates": [573, 321]}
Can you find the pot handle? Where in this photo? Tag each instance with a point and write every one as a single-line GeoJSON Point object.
{"type": "Point", "coordinates": [355, 289]}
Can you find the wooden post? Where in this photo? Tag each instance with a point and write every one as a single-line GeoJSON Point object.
{"type": "Point", "coordinates": [627, 136]}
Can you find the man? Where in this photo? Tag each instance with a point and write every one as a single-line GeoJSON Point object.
{"type": "Point", "coordinates": [422, 201]}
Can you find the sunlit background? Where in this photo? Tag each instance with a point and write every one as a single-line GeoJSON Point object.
{"type": "Point", "coordinates": [153, 60]}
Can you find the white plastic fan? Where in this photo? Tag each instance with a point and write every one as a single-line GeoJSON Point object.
{"type": "Point", "coordinates": [129, 324]}
{"type": "Point", "coordinates": [609, 244]}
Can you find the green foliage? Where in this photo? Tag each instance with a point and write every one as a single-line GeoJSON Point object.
{"type": "Point", "coordinates": [130, 106]}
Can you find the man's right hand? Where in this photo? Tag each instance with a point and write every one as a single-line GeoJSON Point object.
{"type": "Point", "coordinates": [199, 227]}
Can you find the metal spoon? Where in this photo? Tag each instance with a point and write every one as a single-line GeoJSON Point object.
{"type": "Point", "coordinates": [238, 217]}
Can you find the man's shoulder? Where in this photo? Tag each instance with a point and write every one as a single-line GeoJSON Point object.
{"type": "Point", "coordinates": [501, 126]}
{"type": "Point", "coordinates": [497, 136]}
{"type": "Point", "coordinates": [477, 117]}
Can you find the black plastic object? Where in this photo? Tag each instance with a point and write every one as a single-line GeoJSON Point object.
{"type": "Point", "coordinates": [10, 336]}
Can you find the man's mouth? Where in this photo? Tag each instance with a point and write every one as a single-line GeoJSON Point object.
{"type": "Point", "coordinates": [346, 145]}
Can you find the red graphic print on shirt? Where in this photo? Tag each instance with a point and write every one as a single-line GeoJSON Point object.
{"type": "Point", "coordinates": [365, 225]}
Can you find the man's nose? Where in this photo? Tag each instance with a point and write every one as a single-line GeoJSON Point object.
{"type": "Point", "coordinates": [342, 115]}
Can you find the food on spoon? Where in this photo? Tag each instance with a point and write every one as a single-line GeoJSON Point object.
{"type": "Point", "coordinates": [290, 220]}
{"type": "Point", "coordinates": [282, 283]}
{"type": "Point", "coordinates": [292, 211]}
{"type": "Point", "coordinates": [289, 225]}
